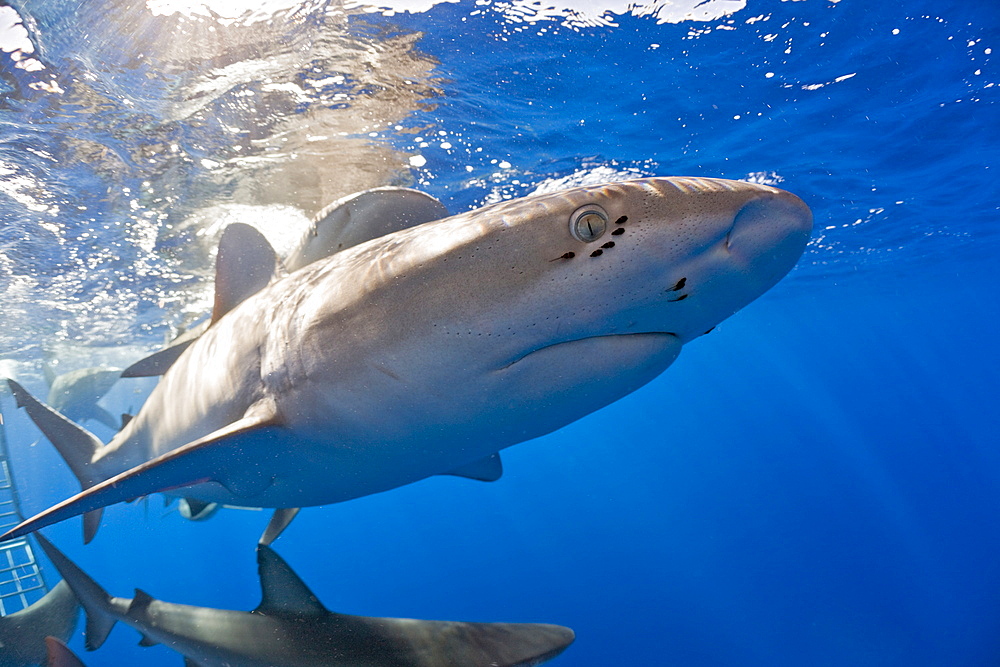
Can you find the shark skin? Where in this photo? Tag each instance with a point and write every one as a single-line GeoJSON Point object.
{"type": "Point", "coordinates": [291, 628]}
{"type": "Point", "coordinates": [431, 349]}
{"type": "Point", "coordinates": [60, 655]}
{"type": "Point", "coordinates": [23, 633]}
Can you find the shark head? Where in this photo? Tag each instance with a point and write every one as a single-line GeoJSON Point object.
{"type": "Point", "coordinates": [515, 319]}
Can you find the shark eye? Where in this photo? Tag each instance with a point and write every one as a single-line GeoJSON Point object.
{"type": "Point", "coordinates": [588, 223]}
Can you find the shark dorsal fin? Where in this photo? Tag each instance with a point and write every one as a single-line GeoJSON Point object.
{"type": "Point", "coordinates": [246, 263]}
{"type": "Point", "coordinates": [488, 469]}
{"type": "Point", "coordinates": [283, 593]}
{"type": "Point", "coordinates": [140, 602]}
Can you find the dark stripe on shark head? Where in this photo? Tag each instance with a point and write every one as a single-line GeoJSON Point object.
{"type": "Point", "coordinates": [620, 221]}
{"type": "Point", "coordinates": [618, 232]}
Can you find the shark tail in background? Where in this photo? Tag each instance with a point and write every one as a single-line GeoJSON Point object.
{"type": "Point", "coordinates": [76, 444]}
{"type": "Point", "coordinates": [98, 605]}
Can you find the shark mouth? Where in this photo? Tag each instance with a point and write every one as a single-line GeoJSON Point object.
{"type": "Point", "coordinates": [590, 348]}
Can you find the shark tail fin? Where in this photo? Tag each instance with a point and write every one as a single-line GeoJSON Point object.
{"type": "Point", "coordinates": [77, 445]}
{"type": "Point", "coordinates": [101, 616]}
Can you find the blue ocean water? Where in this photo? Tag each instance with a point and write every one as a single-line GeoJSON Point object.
{"type": "Point", "coordinates": [814, 483]}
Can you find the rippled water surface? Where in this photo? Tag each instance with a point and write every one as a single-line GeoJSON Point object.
{"type": "Point", "coordinates": [816, 483]}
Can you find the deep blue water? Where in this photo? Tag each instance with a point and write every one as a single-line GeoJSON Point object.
{"type": "Point", "coordinates": [814, 483]}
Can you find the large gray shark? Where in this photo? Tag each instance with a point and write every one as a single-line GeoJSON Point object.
{"type": "Point", "coordinates": [23, 633]}
{"type": "Point", "coordinates": [428, 350]}
{"type": "Point", "coordinates": [291, 628]}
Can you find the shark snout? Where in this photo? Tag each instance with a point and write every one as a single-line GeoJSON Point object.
{"type": "Point", "coordinates": [770, 232]}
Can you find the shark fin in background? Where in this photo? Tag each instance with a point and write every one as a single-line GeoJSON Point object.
{"type": "Point", "coordinates": [208, 459]}
{"type": "Point", "coordinates": [59, 655]}
{"type": "Point", "coordinates": [246, 263]}
{"type": "Point", "coordinates": [105, 417]}
{"type": "Point", "coordinates": [489, 469]}
{"type": "Point", "coordinates": [158, 362]}
{"type": "Point", "coordinates": [276, 526]}
{"type": "Point", "coordinates": [363, 216]}
{"type": "Point", "coordinates": [76, 444]}
{"type": "Point", "coordinates": [283, 593]}
{"type": "Point", "coordinates": [101, 616]}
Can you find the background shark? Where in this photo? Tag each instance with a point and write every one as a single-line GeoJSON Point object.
{"type": "Point", "coordinates": [75, 394]}
{"type": "Point", "coordinates": [428, 350]}
{"type": "Point", "coordinates": [23, 633]}
{"type": "Point", "coordinates": [292, 628]}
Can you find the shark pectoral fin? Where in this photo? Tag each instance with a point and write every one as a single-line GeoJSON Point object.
{"type": "Point", "coordinates": [246, 263]}
{"type": "Point", "coordinates": [237, 456]}
{"type": "Point", "coordinates": [158, 362]}
{"type": "Point", "coordinates": [283, 592]}
{"type": "Point", "coordinates": [489, 469]}
{"type": "Point", "coordinates": [101, 615]}
{"type": "Point", "coordinates": [276, 526]}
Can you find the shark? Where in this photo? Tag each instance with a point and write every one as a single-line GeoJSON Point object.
{"type": "Point", "coordinates": [428, 350]}
{"type": "Point", "coordinates": [23, 633]}
{"type": "Point", "coordinates": [292, 628]}
{"type": "Point", "coordinates": [75, 394]}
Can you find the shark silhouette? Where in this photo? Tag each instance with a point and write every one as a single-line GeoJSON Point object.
{"type": "Point", "coordinates": [428, 350]}
{"type": "Point", "coordinates": [292, 628]}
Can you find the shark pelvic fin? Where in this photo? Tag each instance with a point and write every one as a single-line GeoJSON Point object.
{"type": "Point", "coordinates": [276, 526]}
{"type": "Point", "coordinates": [283, 593]}
{"type": "Point", "coordinates": [489, 469]}
{"type": "Point", "coordinates": [246, 263]}
{"type": "Point", "coordinates": [96, 602]}
{"type": "Point", "coordinates": [218, 457]}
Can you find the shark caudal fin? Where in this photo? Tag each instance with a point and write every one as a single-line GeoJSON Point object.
{"type": "Point", "coordinates": [98, 605]}
{"type": "Point", "coordinates": [76, 444]}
